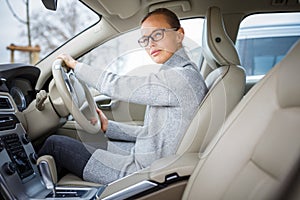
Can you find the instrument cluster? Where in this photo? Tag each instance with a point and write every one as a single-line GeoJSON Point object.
{"type": "Point", "coordinates": [19, 81]}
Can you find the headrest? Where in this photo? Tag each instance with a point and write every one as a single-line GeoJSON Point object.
{"type": "Point", "coordinates": [288, 88]}
{"type": "Point", "coordinates": [218, 49]}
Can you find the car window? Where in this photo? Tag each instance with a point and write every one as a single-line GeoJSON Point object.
{"type": "Point", "coordinates": [123, 54]}
{"type": "Point", "coordinates": [48, 29]}
{"type": "Point", "coordinates": [264, 39]}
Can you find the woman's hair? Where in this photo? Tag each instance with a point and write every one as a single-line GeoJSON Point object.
{"type": "Point", "coordinates": [170, 16]}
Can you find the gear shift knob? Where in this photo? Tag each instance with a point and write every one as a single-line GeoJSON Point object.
{"type": "Point", "coordinates": [48, 171]}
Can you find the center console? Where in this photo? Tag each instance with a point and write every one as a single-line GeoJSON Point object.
{"type": "Point", "coordinates": [20, 162]}
{"type": "Point", "coordinates": [20, 177]}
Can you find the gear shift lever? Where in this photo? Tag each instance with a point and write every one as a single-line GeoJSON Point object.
{"type": "Point", "coordinates": [48, 171]}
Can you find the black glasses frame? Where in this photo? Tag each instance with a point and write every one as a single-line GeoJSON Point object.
{"type": "Point", "coordinates": [144, 40]}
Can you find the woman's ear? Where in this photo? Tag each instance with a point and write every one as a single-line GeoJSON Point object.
{"type": "Point", "coordinates": [180, 34]}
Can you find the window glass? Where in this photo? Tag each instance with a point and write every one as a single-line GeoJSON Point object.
{"type": "Point", "coordinates": [264, 39]}
{"type": "Point", "coordinates": [123, 54]}
{"type": "Point", "coordinates": [48, 29]}
{"type": "Point", "coordinates": [52, 29]}
{"type": "Point", "coordinates": [193, 38]}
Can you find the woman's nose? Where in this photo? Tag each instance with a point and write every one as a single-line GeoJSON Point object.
{"type": "Point", "coordinates": [151, 43]}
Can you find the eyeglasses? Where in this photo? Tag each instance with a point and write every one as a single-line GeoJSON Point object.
{"type": "Point", "coordinates": [155, 36]}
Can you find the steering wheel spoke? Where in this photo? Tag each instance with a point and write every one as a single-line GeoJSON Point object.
{"type": "Point", "coordinates": [75, 94]}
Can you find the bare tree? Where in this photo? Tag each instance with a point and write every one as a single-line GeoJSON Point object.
{"type": "Point", "coordinates": [26, 22]}
{"type": "Point", "coordinates": [51, 29]}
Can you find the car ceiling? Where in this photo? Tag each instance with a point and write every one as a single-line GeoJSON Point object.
{"type": "Point", "coordinates": [126, 14]}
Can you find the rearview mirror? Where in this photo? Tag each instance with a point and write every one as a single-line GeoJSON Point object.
{"type": "Point", "coordinates": [50, 4]}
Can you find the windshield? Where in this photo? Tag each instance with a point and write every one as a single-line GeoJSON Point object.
{"type": "Point", "coordinates": [47, 29]}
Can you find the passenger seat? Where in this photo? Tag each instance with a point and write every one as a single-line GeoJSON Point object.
{"type": "Point", "coordinates": [255, 153]}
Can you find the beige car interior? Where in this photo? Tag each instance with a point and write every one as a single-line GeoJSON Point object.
{"type": "Point", "coordinates": [253, 154]}
{"type": "Point", "coordinates": [239, 145]}
{"type": "Point", "coordinates": [244, 160]}
{"type": "Point", "coordinates": [226, 82]}
{"type": "Point", "coordinates": [259, 144]}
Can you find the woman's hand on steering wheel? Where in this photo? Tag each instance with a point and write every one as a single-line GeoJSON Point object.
{"type": "Point", "coordinates": [74, 94]}
{"type": "Point", "coordinates": [103, 120]}
{"type": "Point", "coordinates": [68, 60]}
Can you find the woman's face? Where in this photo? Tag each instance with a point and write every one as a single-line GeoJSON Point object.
{"type": "Point", "coordinates": [160, 51]}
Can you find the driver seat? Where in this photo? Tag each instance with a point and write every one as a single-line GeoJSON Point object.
{"type": "Point", "coordinates": [225, 80]}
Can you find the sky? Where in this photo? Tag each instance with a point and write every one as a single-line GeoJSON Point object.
{"type": "Point", "coordinates": [11, 27]}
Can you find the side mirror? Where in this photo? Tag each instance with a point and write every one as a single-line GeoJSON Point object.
{"type": "Point", "coordinates": [50, 4]}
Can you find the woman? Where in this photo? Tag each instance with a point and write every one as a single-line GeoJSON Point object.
{"type": "Point", "coordinates": [172, 96]}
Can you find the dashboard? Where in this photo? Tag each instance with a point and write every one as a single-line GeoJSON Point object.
{"type": "Point", "coordinates": [20, 177]}
{"type": "Point", "coordinates": [19, 81]}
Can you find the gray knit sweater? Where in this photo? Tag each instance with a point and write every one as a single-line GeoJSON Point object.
{"type": "Point", "coordinates": [172, 96]}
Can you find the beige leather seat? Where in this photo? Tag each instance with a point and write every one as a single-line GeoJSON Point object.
{"type": "Point", "coordinates": [226, 82]}
{"type": "Point", "coordinates": [224, 78]}
{"type": "Point", "coordinates": [255, 152]}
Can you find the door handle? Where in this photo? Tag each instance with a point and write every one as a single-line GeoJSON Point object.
{"type": "Point", "coordinates": [112, 104]}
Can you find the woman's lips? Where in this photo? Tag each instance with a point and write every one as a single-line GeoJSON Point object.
{"type": "Point", "coordinates": [154, 52]}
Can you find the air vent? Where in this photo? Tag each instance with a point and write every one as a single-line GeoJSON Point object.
{"type": "Point", "coordinates": [5, 104]}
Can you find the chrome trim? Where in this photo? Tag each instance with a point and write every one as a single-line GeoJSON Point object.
{"type": "Point", "coordinates": [5, 189]}
{"type": "Point", "coordinates": [46, 175]}
{"type": "Point", "coordinates": [10, 103]}
{"type": "Point", "coordinates": [132, 190]}
{"type": "Point", "coordinates": [89, 193]}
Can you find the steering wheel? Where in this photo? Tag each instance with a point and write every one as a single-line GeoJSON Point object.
{"type": "Point", "coordinates": [75, 94]}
